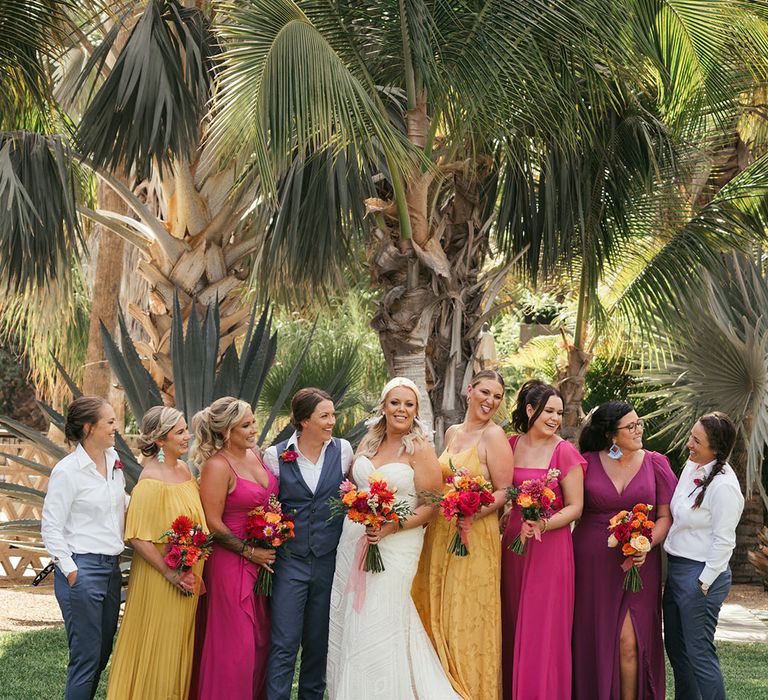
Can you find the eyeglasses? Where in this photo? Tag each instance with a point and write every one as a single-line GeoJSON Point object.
{"type": "Point", "coordinates": [633, 427]}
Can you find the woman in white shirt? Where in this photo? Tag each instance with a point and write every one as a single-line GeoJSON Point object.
{"type": "Point", "coordinates": [82, 528]}
{"type": "Point", "coordinates": [706, 508]}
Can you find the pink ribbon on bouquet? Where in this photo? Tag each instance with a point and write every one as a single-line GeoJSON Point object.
{"type": "Point", "coordinates": [629, 562]}
{"type": "Point", "coordinates": [463, 531]}
{"type": "Point", "coordinates": [356, 581]}
{"type": "Point", "coordinates": [537, 534]}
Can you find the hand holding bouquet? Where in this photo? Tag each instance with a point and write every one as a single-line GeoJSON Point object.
{"type": "Point", "coordinates": [536, 500]}
{"type": "Point", "coordinates": [465, 496]}
{"type": "Point", "coordinates": [187, 544]}
{"type": "Point", "coordinates": [373, 508]}
{"type": "Point", "coordinates": [633, 530]}
{"type": "Point", "coordinates": [270, 528]}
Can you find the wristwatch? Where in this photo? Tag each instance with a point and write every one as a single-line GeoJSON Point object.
{"type": "Point", "coordinates": [703, 586]}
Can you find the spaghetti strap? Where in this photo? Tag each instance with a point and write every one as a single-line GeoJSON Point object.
{"type": "Point", "coordinates": [229, 464]}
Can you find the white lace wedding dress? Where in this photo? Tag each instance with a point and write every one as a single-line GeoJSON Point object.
{"type": "Point", "coordinates": [382, 651]}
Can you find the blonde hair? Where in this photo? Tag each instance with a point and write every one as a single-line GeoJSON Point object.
{"type": "Point", "coordinates": [212, 426]}
{"type": "Point", "coordinates": [157, 422]}
{"type": "Point", "coordinates": [377, 426]}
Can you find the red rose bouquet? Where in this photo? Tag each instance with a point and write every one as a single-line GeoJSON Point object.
{"type": "Point", "coordinates": [536, 500]}
{"type": "Point", "coordinates": [270, 528]}
{"type": "Point", "coordinates": [465, 496]}
{"type": "Point", "coordinates": [187, 544]}
{"type": "Point", "coordinates": [373, 508]}
{"type": "Point", "coordinates": [633, 530]}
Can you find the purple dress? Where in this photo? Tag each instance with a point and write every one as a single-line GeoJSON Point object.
{"type": "Point", "coordinates": [235, 645]}
{"type": "Point", "coordinates": [602, 601]}
{"type": "Point", "coordinates": [537, 599]}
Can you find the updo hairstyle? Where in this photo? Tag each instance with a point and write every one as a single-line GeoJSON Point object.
{"type": "Point", "coordinates": [304, 403]}
{"type": "Point", "coordinates": [213, 424]}
{"type": "Point", "coordinates": [602, 425]}
{"type": "Point", "coordinates": [491, 374]}
{"type": "Point", "coordinates": [158, 421]}
{"type": "Point", "coordinates": [83, 410]}
{"type": "Point", "coordinates": [533, 393]}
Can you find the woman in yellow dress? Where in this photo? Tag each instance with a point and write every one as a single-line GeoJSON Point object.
{"type": "Point", "coordinates": [155, 643]}
{"type": "Point", "coordinates": [458, 598]}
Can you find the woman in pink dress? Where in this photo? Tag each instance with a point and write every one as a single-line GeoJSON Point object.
{"type": "Point", "coordinates": [537, 587]}
{"type": "Point", "coordinates": [617, 648]}
{"type": "Point", "coordinates": [233, 482]}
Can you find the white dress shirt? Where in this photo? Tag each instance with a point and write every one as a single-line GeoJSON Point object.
{"type": "Point", "coordinates": [310, 471]}
{"type": "Point", "coordinates": [707, 533]}
{"type": "Point", "coordinates": [83, 512]}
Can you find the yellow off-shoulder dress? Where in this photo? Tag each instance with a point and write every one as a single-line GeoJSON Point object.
{"type": "Point", "coordinates": [155, 643]}
{"type": "Point", "coordinates": [459, 598]}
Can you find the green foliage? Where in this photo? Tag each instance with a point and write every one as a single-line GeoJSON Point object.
{"type": "Point", "coordinates": [13, 376]}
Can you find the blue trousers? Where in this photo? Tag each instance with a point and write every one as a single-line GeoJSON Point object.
{"type": "Point", "coordinates": [690, 619]}
{"type": "Point", "coordinates": [90, 609]}
{"type": "Point", "coordinates": [301, 602]}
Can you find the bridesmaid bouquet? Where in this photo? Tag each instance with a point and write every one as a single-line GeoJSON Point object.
{"type": "Point", "coordinates": [633, 530]}
{"type": "Point", "coordinates": [372, 508]}
{"type": "Point", "coordinates": [466, 495]}
{"type": "Point", "coordinates": [187, 544]}
{"type": "Point", "coordinates": [537, 501]}
{"type": "Point", "coordinates": [270, 528]}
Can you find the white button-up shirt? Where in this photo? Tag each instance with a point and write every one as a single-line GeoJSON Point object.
{"type": "Point", "coordinates": [310, 471]}
{"type": "Point", "coordinates": [83, 512]}
{"type": "Point", "coordinates": [706, 533]}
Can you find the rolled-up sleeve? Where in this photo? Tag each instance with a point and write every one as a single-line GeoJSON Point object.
{"type": "Point", "coordinates": [726, 508]}
{"type": "Point", "coordinates": [56, 509]}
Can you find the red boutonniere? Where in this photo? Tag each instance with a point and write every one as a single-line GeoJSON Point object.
{"type": "Point", "coordinates": [698, 482]}
{"type": "Point", "coordinates": [289, 456]}
{"type": "Point", "coordinates": [696, 486]}
{"type": "Point", "coordinates": [117, 465]}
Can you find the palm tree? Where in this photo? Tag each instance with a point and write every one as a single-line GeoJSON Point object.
{"type": "Point", "coordinates": [405, 128]}
{"type": "Point", "coordinates": [720, 362]}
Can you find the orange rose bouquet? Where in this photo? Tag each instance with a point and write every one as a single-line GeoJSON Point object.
{"type": "Point", "coordinates": [270, 528]}
{"type": "Point", "coordinates": [186, 544]}
{"type": "Point", "coordinates": [633, 530]}
{"type": "Point", "coordinates": [465, 496]}
{"type": "Point", "coordinates": [372, 507]}
{"type": "Point", "coordinates": [536, 500]}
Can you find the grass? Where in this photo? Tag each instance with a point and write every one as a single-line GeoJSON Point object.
{"type": "Point", "coordinates": [33, 665]}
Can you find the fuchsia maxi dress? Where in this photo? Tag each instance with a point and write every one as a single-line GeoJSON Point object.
{"type": "Point", "coordinates": [537, 598]}
{"type": "Point", "coordinates": [603, 602]}
{"type": "Point", "coordinates": [236, 624]}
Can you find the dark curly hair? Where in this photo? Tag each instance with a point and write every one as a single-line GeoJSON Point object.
{"type": "Point", "coordinates": [533, 393]}
{"type": "Point", "coordinates": [600, 427]}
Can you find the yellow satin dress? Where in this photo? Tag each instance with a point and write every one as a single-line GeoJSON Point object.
{"type": "Point", "coordinates": [155, 642]}
{"type": "Point", "coordinates": [458, 598]}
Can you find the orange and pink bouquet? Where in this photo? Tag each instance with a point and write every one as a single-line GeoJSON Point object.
{"type": "Point", "coordinates": [465, 496]}
{"type": "Point", "coordinates": [270, 528]}
{"type": "Point", "coordinates": [186, 544]}
{"type": "Point", "coordinates": [536, 500]}
{"type": "Point", "coordinates": [633, 530]}
{"type": "Point", "coordinates": [373, 508]}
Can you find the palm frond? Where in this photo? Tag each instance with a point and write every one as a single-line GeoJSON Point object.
{"type": "Point", "coordinates": [149, 107]}
{"type": "Point", "coordinates": [39, 230]}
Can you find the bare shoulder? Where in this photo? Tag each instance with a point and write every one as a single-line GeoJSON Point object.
{"type": "Point", "coordinates": [215, 466]}
{"type": "Point", "coordinates": [423, 454]}
{"type": "Point", "coordinates": [494, 434]}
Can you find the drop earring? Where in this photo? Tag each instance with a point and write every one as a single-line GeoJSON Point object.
{"type": "Point", "coordinates": [161, 456]}
{"type": "Point", "coordinates": [615, 451]}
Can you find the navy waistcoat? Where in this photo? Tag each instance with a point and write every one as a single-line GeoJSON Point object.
{"type": "Point", "coordinates": [315, 534]}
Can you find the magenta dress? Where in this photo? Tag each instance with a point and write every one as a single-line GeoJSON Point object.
{"type": "Point", "coordinates": [603, 602]}
{"type": "Point", "coordinates": [537, 599]}
{"type": "Point", "coordinates": [235, 645]}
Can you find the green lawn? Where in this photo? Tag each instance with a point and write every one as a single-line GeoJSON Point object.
{"type": "Point", "coordinates": [32, 666]}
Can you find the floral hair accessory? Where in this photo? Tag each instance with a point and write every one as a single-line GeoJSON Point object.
{"type": "Point", "coordinates": [289, 455]}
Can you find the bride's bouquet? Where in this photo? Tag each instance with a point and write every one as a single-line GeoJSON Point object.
{"type": "Point", "coordinates": [465, 496]}
{"type": "Point", "coordinates": [373, 508]}
{"type": "Point", "coordinates": [268, 527]}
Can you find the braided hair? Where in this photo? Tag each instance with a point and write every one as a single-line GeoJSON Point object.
{"type": "Point", "coordinates": [721, 436]}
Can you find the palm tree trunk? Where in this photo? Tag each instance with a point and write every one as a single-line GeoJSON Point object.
{"type": "Point", "coordinates": [107, 276]}
{"type": "Point", "coordinates": [571, 386]}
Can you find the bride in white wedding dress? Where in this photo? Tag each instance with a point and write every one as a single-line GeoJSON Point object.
{"type": "Point", "coordinates": [377, 646]}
